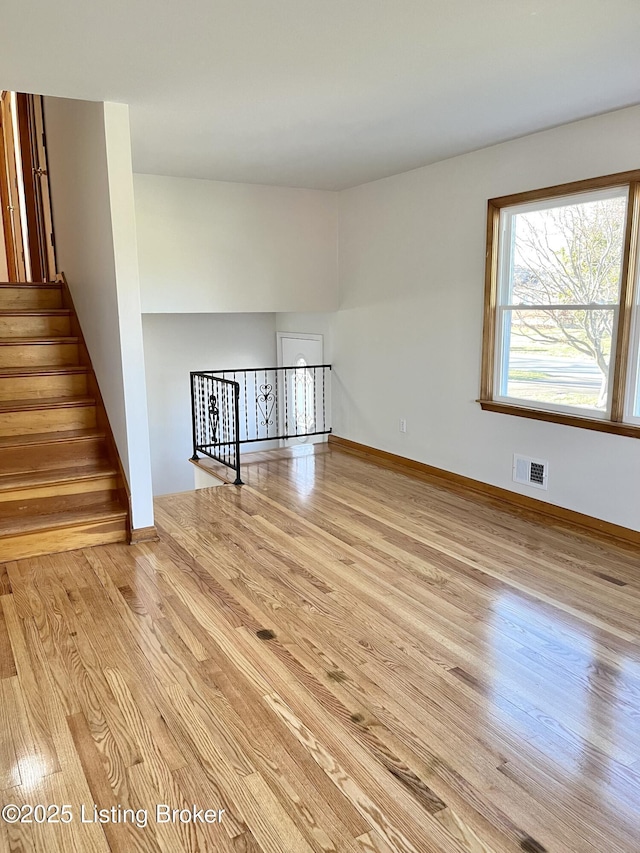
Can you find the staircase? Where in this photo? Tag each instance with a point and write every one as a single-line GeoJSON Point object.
{"type": "Point", "coordinates": [61, 485]}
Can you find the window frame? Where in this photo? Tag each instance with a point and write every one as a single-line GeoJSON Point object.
{"type": "Point", "coordinates": [619, 418]}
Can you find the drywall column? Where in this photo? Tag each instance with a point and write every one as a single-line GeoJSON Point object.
{"type": "Point", "coordinates": [92, 199]}
{"type": "Point", "coordinates": [125, 249]}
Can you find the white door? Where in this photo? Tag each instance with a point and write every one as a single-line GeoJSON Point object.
{"type": "Point", "coordinates": [304, 397]}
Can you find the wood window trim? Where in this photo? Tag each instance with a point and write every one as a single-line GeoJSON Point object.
{"type": "Point", "coordinates": [629, 276]}
{"type": "Point", "coordinates": [597, 424]}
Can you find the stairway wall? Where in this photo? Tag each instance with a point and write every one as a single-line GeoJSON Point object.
{"type": "Point", "coordinates": [94, 220]}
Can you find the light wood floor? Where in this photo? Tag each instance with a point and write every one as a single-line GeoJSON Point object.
{"type": "Point", "coordinates": [435, 675]}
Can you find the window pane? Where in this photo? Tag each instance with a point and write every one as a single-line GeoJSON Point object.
{"type": "Point", "coordinates": [559, 358]}
{"type": "Point", "coordinates": [569, 254]}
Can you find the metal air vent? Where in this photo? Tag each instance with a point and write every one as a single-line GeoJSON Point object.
{"type": "Point", "coordinates": [530, 472]}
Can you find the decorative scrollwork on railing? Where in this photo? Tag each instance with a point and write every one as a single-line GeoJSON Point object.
{"type": "Point", "coordinates": [214, 417]}
{"type": "Point", "coordinates": [266, 401]}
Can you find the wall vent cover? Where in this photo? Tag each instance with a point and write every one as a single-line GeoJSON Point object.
{"type": "Point", "coordinates": [530, 472]}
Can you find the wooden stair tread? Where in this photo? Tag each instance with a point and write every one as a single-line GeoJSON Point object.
{"type": "Point", "coordinates": [50, 437]}
{"type": "Point", "coordinates": [38, 341]}
{"type": "Point", "coordinates": [30, 285]}
{"type": "Point", "coordinates": [35, 312]}
{"type": "Point", "coordinates": [43, 370]}
{"type": "Point", "coordinates": [57, 475]}
{"type": "Point", "coordinates": [45, 403]}
{"type": "Point", "coordinates": [19, 524]}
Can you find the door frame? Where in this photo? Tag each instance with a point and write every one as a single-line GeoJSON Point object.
{"type": "Point", "coordinates": [25, 198]}
{"type": "Point", "coordinates": [46, 234]}
{"type": "Point", "coordinates": [35, 177]}
{"type": "Point", "coordinates": [5, 207]}
{"type": "Point", "coordinates": [10, 194]}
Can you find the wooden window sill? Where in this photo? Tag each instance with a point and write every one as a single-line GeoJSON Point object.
{"type": "Point", "coordinates": [630, 430]}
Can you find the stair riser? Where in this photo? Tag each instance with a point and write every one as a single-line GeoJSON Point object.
{"type": "Point", "coordinates": [52, 490]}
{"type": "Point", "coordinates": [32, 387]}
{"type": "Point", "coordinates": [38, 355]}
{"type": "Point", "coordinates": [49, 457]}
{"type": "Point", "coordinates": [26, 327]}
{"type": "Point", "coordinates": [29, 300]}
{"type": "Point", "coordinates": [68, 539]}
{"type": "Point", "coordinates": [47, 420]}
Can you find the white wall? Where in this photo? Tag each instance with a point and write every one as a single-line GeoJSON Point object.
{"type": "Point", "coordinates": [408, 333]}
{"type": "Point", "coordinates": [212, 246]}
{"type": "Point", "coordinates": [94, 219]}
{"type": "Point", "coordinates": [176, 344]}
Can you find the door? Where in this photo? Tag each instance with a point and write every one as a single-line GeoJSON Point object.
{"type": "Point", "coordinates": [304, 391]}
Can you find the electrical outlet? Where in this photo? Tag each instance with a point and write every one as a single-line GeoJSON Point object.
{"type": "Point", "coordinates": [403, 424]}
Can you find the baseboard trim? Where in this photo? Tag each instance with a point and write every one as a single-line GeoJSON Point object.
{"type": "Point", "coordinates": [143, 534]}
{"type": "Point", "coordinates": [522, 505]}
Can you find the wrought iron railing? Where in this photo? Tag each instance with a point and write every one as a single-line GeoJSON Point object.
{"type": "Point", "coordinates": [234, 407]}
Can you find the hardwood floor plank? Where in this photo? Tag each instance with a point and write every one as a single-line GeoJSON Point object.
{"type": "Point", "coordinates": [12, 736]}
{"type": "Point", "coordinates": [343, 658]}
{"type": "Point", "coordinates": [372, 813]}
{"type": "Point", "coordinates": [120, 836]}
{"type": "Point", "coordinates": [43, 756]}
{"type": "Point", "coordinates": [7, 662]}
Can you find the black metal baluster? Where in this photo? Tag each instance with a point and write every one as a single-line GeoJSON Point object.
{"type": "Point", "coordinates": [297, 414]}
{"type": "Point", "coordinates": [233, 424]}
{"type": "Point", "coordinates": [254, 394]}
{"type": "Point", "coordinates": [215, 439]}
{"type": "Point", "coordinates": [246, 407]}
{"type": "Point", "coordinates": [229, 411]}
{"type": "Point", "coordinates": [201, 397]}
{"type": "Point", "coordinates": [324, 416]}
{"type": "Point", "coordinates": [315, 405]}
{"type": "Point", "coordinates": [227, 454]}
{"type": "Point", "coordinates": [193, 418]}
{"type": "Point", "coordinates": [196, 391]}
{"type": "Point", "coordinates": [286, 406]}
{"type": "Point", "coordinates": [277, 402]}
{"type": "Point", "coordinates": [210, 392]}
{"type": "Point", "coordinates": [232, 436]}
{"type": "Point", "coordinates": [202, 413]}
{"type": "Point", "coordinates": [304, 374]}
{"type": "Point", "coordinates": [266, 407]}
{"type": "Point", "coordinates": [220, 448]}
{"type": "Point", "coordinates": [236, 394]}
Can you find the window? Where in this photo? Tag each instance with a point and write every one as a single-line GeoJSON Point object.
{"type": "Point", "coordinates": [303, 397]}
{"type": "Point", "coordinates": [562, 309]}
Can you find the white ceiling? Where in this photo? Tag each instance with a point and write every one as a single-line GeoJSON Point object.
{"type": "Point", "coordinates": [324, 93]}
